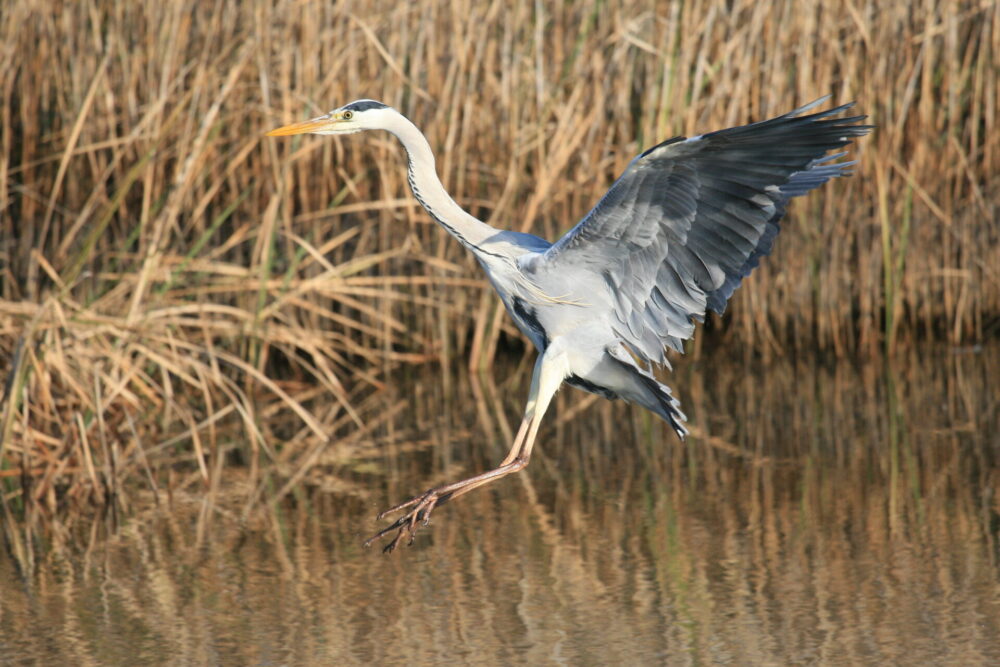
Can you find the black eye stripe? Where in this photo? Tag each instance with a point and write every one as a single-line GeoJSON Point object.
{"type": "Point", "coordinates": [364, 105]}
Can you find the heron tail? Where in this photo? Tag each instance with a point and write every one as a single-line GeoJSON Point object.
{"type": "Point", "coordinates": [665, 404]}
{"type": "Point", "coordinates": [647, 391]}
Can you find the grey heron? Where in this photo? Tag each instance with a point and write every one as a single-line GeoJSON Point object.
{"type": "Point", "coordinates": [673, 237]}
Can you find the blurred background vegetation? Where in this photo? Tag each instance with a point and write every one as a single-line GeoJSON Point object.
{"type": "Point", "coordinates": [177, 291]}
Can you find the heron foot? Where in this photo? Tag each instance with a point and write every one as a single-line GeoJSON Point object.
{"type": "Point", "coordinates": [408, 524]}
{"type": "Point", "coordinates": [421, 506]}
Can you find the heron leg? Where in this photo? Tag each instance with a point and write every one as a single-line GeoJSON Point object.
{"type": "Point", "coordinates": [523, 455]}
{"type": "Point", "coordinates": [511, 455]}
{"type": "Point", "coordinates": [550, 370]}
{"type": "Point", "coordinates": [515, 448]}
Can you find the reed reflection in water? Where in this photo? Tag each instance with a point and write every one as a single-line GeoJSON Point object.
{"type": "Point", "coordinates": [826, 514]}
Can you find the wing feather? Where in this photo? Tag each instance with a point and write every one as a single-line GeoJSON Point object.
{"type": "Point", "coordinates": [690, 218]}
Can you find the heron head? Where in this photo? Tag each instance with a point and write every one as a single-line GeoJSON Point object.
{"type": "Point", "coordinates": [350, 118]}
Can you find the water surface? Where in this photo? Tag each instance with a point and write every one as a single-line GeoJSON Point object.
{"type": "Point", "coordinates": [823, 513]}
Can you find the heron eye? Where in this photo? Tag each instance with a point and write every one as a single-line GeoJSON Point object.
{"type": "Point", "coordinates": [347, 115]}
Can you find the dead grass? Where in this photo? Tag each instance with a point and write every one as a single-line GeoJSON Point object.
{"type": "Point", "coordinates": [173, 287]}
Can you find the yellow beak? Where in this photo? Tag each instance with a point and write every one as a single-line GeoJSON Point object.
{"type": "Point", "coordinates": [302, 128]}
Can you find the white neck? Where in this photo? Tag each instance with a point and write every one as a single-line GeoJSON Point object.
{"type": "Point", "coordinates": [427, 188]}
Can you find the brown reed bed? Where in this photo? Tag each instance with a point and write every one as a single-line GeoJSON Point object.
{"type": "Point", "coordinates": [173, 286]}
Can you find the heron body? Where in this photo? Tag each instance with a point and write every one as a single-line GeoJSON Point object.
{"type": "Point", "coordinates": [673, 238]}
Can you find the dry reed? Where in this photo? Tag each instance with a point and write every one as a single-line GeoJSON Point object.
{"type": "Point", "coordinates": [173, 287]}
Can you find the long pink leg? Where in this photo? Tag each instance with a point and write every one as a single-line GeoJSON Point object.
{"type": "Point", "coordinates": [522, 457]}
{"type": "Point", "coordinates": [550, 370]}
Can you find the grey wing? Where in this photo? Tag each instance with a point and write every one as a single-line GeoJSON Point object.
{"type": "Point", "coordinates": [690, 218]}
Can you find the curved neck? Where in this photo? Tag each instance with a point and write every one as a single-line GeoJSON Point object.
{"type": "Point", "coordinates": [429, 191]}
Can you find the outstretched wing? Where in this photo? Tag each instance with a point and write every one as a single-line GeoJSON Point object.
{"type": "Point", "coordinates": [690, 218]}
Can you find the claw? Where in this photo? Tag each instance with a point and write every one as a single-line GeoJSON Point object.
{"type": "Point", "coordinates": [409, 523]}
{"type": "Point", "coordinates": [389, 548]}
{"type": "Point", "coordinates": [399, 524]}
